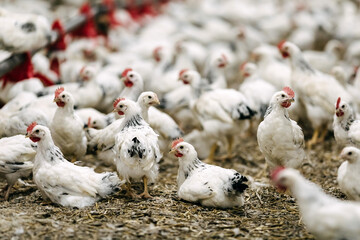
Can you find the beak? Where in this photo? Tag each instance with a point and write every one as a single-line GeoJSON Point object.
{"type": "Point", "coordinates": [172, 151]}
{"type": "Point", "coordinates": [156, 101]}
{"type": "Point", "coordinates": [27, 135]}
{"type": "Point", "coordinates": [114, 110]}
{"type": "Point", "coordinates": [56, 100]}
{"type": "Point", "coordinates": [291, 100]}
{"type": "Point", "coordinates": [123, 79]}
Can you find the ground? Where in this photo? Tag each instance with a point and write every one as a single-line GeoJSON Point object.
{"type": "Point", "coordinates": [266, 214]}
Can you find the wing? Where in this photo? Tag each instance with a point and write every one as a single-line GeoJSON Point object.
{"type": "Point", "coordinates": [298, 135]}
{"type": "Point", "coordinates": [195, 189]}
{"type": "Point", "coordinates": [354, 132]}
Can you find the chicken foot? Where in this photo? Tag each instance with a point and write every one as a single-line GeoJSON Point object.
{"type": "Point", "coordinates": [229, 154]}
{"type": "Point", "coordinates": [145, 194]}
{"type": "Point", "coordinates": [314, 139]}
{"type": "Point", "coordinates": [211, 156]}
{"type": "Point", "coordinates": [130, 191]}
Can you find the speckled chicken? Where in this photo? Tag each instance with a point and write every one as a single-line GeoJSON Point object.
{"type": "Point", "coordinates": [136, 147]}
{"type": "Point", "coordinates": [210, 185]}
{"type": "Point", "coordinates": [16, 159]}
{"type": "Point", "coordinates": [280, 139]}
{"type": "Point", "coordinates": [63, 182]}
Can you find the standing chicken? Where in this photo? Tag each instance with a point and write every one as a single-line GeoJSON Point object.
{"type": "Point", "coordinates": [134, 84]}
{"type": "Point", "coordinates": [348, 173]}
{"type": "Point", "coordinates": [136, 147]}
{"type": "Point", "coordinates": [326, 217]}
{"type": "Point", "coordinates": [63, 182]}
{"type": "Point", "coordinates": [210, 185]}
{"type": "Point", "coordinates": [346, 128]}
{"type": "Point", "coordinates": [67, 127]}
{"type": "Point", "coordinates": [317, 91]}
{"type": "Point", "coordinates": [280, 139]}
{"type": "Point", "coordinates": [16, 159]}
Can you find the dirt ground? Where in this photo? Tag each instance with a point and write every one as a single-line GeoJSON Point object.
{"type": "Point", "coordinates": [265, 215]}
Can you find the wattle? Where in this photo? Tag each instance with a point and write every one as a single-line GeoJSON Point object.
{"type": "Point", "coordinates": [284, 54]}
{"type": "Point", "coordinates": [60, 104]}
{"type": "Point", "coordinates": [286, 104]}
{"type": "Point", "coordinates": [339, 114]}
{"type": "Point", "coordinates": [178, 154]}
{"type": "Point", "coordinates": [34, 139]}
{"type": "Point", "coordinates": [120, 112]}
{"type": "Point", "coordinates": [128, 83]}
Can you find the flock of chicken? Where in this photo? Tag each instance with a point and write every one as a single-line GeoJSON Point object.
{"type": "Point", "coordinates": [102, 95]}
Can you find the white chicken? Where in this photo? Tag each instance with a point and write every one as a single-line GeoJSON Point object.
{"type": "Point", "coordinates": [23, 32]}
{"type": "Point", "coordinates": [16, 159]}
{"type": "Point", "coordinates": [210, 185]}
{"type": "Point", "coordinates": [134, 84]}
{"type": "Point", "coordinates": [317, 91]}
{"type": "Point", "coordinates": [221, 112]}
{"type": "Point", "coordinates": [63, 182]}
{"type": "Point", "coordinates": [348, 173]}
{"type": "Point", "coordinates": [67, 127]}
{"type": "Point", "coordinates": [136, 147]}
{"type": "Point", "coordinates": [325, 216]}
{"type": "Point", "coordinates": [346, 127]}
{"type": "Point", "coordinates": [281, 146]}
{"type": "Point", "coordinates": [95, 119]}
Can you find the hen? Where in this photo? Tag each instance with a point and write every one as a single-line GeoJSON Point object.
{"type": "Point", "coordinates": [280, 139]}
{"type": "Point", "coordinates": [67, 127]}
{"type": "Point", "coordinates": [136, 147]}
{"type": "Point", "coordinates": [63, 182]}
{"type": "Point", "coordinates": [210, 185]}
{"type": "Point", "coordinates": [348, 173]}
{"type": "Point", "coordinates": [16, 159]}
{"type": "Point", "coordinates": [326, 217]}
{"type": "Point", "coordinates": [317, 91]}
{"type": "Point", "coordinates": [346, 127]}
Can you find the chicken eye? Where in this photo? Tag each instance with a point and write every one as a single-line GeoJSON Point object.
{"type": "Point", "coordinates": [282, 95]}
{"type": "Point", "coordinates": [149, 97]}
{"type": "Point", "coordinates": [121, 106]}
{"type": "Point", "coordinates": [94, 122]}
{"type": "Point", "coordinates": [349, 153]}
{"type": "Point", "coordinates": [343, 106]}
{"type": "Point", "coordinates": [181, 147]}
{"type": "Point", "coordinates": [37, 131]}
{"type": "Point", "coordinates": [131, 75]}
{"type": "Point", "coordinates": [63, 96]}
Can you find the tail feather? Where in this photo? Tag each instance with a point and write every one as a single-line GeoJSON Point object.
{"type": "Point", "coordinates": [243, 111]}
{"type": "Point", "coordinates": [238, 184]}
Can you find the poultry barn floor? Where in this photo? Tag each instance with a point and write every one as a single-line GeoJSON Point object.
{"type": "Point", "coordinates": [267, 214]}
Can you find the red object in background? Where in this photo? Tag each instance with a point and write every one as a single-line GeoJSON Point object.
{"type": "Point", "coordinates": [111, 6]}
{"type": "Point", "coordinates": [88, 29]}
{"type": "Point", "coordinates": [60, 43]}
{"type": "Point", "coordinates": [44, 79]}
{"type": "Point", "coordinates": [23, 71]}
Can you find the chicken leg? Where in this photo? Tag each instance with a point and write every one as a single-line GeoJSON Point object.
{"type": "Point", "coordinates": [130, 191]}
{"type": "Point", "coordinates": [323, 133]}
{"type": "Point", "coordinates": [145, 194]}
{"type": "Point", "coordinates": [229, 154]}
{"type": "Point", "coordinates": [211, 156]}
{"type": "Point", "coordinates": [314, 138]}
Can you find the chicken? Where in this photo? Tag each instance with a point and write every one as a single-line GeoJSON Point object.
{"type": "Point", "coordinates": [215, 70]}
{"type": "Point", "coordinates": [221, 112]}
{"type": "Point", "coordinates": [281, 146]}
{"type": "Point", "coordinates": [348, 173]}
{"type": "Point", "coordinates": [325, 216]}
{"type": "Point", "coordinates": [16, 159]}
{"type": "Point", "coordinates": [94, 118]}
{"type": "Point", "coordinates": [210, 185]}
{"type": "Point", "coordinates": [256, 90]}
{"type": "Point", "coordinates": [67, 127]}
{"type": "Point", "coordinates": [136, 147]}
{"type": "Point", "coordinates": [23, 32]}
{"type": "Point", "coordinates": [134, 84]}
{"type": "Point", "coordinates": [346, 127]}
{"type": "Point", "coordinates": [317, 91]}
{"type": "Point", "coordinates": [63, 182]}
{"type": "Point", "coordinates": [325, 61]}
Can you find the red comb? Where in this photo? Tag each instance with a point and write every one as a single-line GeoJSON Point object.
{"type": "Point", "coordinates": [289, 91]}
{"type": "Point", "coordinates": [242, 66]}
{"type": "Point", "coordinates": [89, 121]}
{"type": "Point", "coordinates": [276, 171]}
{"type": "Point", "coordinates": [280, 44]}
{"type": "Point", "coordinates": [58, 91]}
{"type": "Point", "coordinates": [125, 72]}
{"type": "Point", "coordinates": [31, 127]}
{"type": "Point", "coordinates": [176, 142]}
{"type": "Point", "coordinates": [117, 101]}
{"type": "Point", "coordinates": [182, 72]}
{"type": "Point", "coordinates": [338, 102]}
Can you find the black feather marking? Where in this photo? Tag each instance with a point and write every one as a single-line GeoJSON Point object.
{"type": "Point", "coordinates": [15, 163]}
{"type": "Point", "coordinates": [238, 183]}
{"type": "Point", "coordinates": [64, 194]}
{"type": "Point", "coordinates": [28, 27]}
{"type": "Point", "coordinates": [304, 66]}
{"type": "Point", "coordinates": [134, 121]}
{"type": "Point", "coordinates": [136, 149]}
{"type": "Point", "coordinates": [244, 111]}
{"type": "Point", "coordinates": [162, 104]}
{"type": "Point", "coordinates": [263, 109]}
